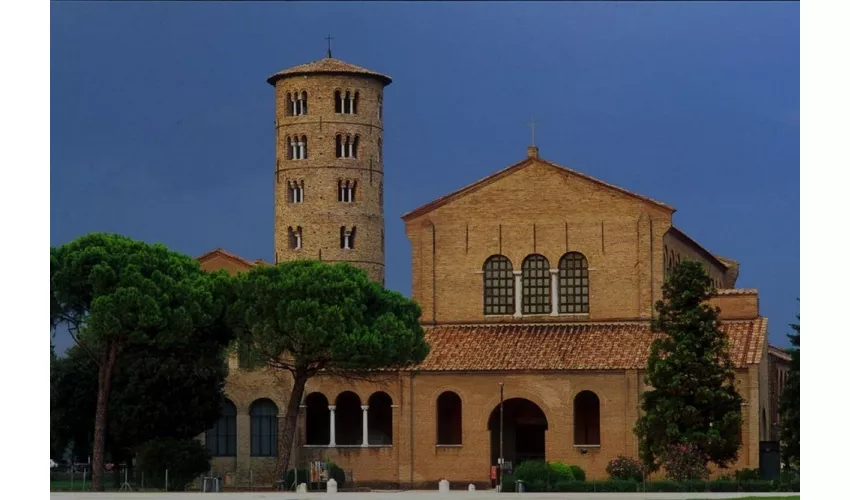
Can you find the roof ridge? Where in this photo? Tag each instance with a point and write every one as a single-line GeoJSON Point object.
{"type": "Point", "coordinates": [428, 207]}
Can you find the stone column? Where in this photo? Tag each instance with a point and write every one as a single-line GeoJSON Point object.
{"type": "Point", "coordinates": [332, 408]}
{"type": "Point", "coordinates": [365, 409]}
{"type": "Point", "coordinates": [517, 294]}
{"type": "Point", "coordinates": [554, 294]}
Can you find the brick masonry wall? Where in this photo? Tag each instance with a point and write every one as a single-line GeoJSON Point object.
{"type": "Point", "coordinates": [322, 214]}
{"type": "Point", "coordinates": [736, 306]}
{"type": "Point", "coordinates": [679, 250]}
{"type": "Point", "coordinates": [415, 456]}
{"type": "Point", "coordinates": [620, 236]}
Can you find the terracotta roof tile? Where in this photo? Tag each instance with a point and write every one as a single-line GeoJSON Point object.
{"type": "Point", "coordinates": [225, 253]}
{"type": "Point", "coordinates": [328, 65]}
{"type": "Point", "coordinates": [588, 346]}
{"type": "Point", "coordinates": [778, 352]}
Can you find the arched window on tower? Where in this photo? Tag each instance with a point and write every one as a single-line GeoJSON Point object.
{"type": "Point", "coordinates": [536, 285]}
{"type": "Point", "coordinates": [587, 432]}
{"type": "Point", "coordinates": [295, 191]}
{"type": "Point", "coordinates": [573, 284]}
{"type": "Point", "coordinates": [380, 148]}
{"type": "Point", "coordinates": [290, 104]}
{"type": "Point", "coordinates": [498, 285]}
{"type": "Point", "coordinates": [449, 419]}
{"type": "Point", "coordinates": [303, 103]}
{"type": "Point", "coordinates": [380, 109]}
{"type": "Point", "coordinates": [295, 238]}
{"type": "Point", "coordinates": [346, 190]}
{"type": "Point", "coordinates": [290, 148]}
{"type": "Point", "coordinates": [338, 101]}
{"type": "Point", "coordinates": [263, 428]}
{"type": "Point", "coordinates": [303, 144]}
{"type": "Point", "coordinates": [355, 103]}
{"type": "Point", "coordinates": [346, 237]}
{"type": "Point", "coordinates": [346, 146]}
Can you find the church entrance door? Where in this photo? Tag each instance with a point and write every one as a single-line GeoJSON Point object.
{"type": "Point", "coordinates": [524, 432]}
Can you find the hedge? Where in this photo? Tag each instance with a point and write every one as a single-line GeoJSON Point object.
{"type": "Point", "coordinates": [663, 486]}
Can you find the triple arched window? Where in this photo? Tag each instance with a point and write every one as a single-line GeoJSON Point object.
{"type": "Point", "coordinates": [535, 288]}
{"type": "Point", "coordinates": [346, 146]}
{"type": "Point", "coordinates": [296, 148]}
{"type": "Point", "coordinates": [296, 103]}
{"type": "Point", "coordinates": [346, 102]}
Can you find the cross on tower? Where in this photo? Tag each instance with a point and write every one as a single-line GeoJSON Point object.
{"type": "Point", "coordinates": [329, 38]}
{"type": "Point", "coordinates": [532, 123]}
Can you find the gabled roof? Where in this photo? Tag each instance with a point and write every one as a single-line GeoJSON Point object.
{"type": "Point", "coordinates": [328, 66]}
{"type": "Point", "coordinates": [699, 248]}
{"type": "Point", "coordinates": [220, 252]}
{"type": "Point", "coordinates": [570, 346]}
{"type": "Point", "coordinates": [514, 168]}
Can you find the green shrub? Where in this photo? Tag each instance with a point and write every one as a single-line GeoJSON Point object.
{"type": "Point", "coordinates": [664, 486]}
{"type": "Point", "coordinates": [531, 471]}
{"type": "Point", "coordinates": [290, 477]}
{"type": "Point", "coordinates": [538, 485]}
{"type": "Point", "coordinates": [185, 460]}
{"type": "Point", "coordinates": [748, 475]}
{"type": "Point", "coordinates": [559, 472]}
{"type": "Point", "coordinates": [508, 482]}
{"type": "Point", "coordinates": [625, 468]}
{"type": "Point", "coordinates": [722, 486]}
{"type": "Point", "coordinates": [578, 473]}
{"type": "Point", "coordinates": [760, 485]}
{"type": "Point", "coordinates": [337, 473]}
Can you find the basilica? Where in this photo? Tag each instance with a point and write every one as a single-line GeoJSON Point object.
{"type": "Point", "coordinates": [537, 280]}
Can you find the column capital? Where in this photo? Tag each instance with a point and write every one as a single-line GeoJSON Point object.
{"type": "Point", "coordinates": [331, 407]}
{"type": "Point", "coordinates": [518, 273]}
{"type": "Point", "coordinates": [554, 271]}
{"type": "Point", "coordinates": [364, 407]}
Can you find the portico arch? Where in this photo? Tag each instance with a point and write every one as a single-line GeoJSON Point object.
{"type": "Point", "coordinates": [524, 433]}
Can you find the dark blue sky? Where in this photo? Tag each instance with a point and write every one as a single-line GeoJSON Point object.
{"type": "Point", "coordinates": [162, 122]}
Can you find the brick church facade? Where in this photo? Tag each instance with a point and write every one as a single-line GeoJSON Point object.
{"type": "Point", "coordinates": [538, 279]}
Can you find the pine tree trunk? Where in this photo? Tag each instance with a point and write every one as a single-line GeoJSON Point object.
{"type": "Point", "coordinates": [104, 385]}
{"type": "Point", "coordinates": [287, 435]}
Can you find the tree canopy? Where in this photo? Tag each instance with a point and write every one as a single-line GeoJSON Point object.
{"type": "Point", "coordinates": [692, 401]}
{"type": "Point", "coordinates": [113, 292]}
{"type": "Point", "coordinates": [308, 317]}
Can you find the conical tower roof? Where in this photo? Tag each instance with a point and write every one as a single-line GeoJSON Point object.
{"type": "Point", "coordinates": [328, 66]}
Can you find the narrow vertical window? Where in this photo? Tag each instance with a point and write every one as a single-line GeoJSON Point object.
{"type": "Point", "coordinates": [345, 191]}
{"type": "Point", "coordinates": [290, 109]}
{"type": "Point", "coordinates": [295, 192]}
{"type": "Point", "coordinates": [290, 149]}
{"type": "Point", "coordinates": [355, 101]}
{"type": "Point", "coordinates": [303, 103]}
{"type": "Point", "coordinates": [264, 423]}
{"type": "Point", "coordinates": [347, 237]}
{"type": "Point", "coordinates": [295, 238]}
{"type": "Point", "coordinates": [303, 145]}
{"type": "Point", "coordinates": [339, 146]}
{"type": "Point", "coordinates": [338, 101]}
{"type": "Point", "coordinates": [536, 285]}
{"type": "Point", "coordinates": [380, 109]}
{"type": "Point", "coordinates": [573, 284]}
{"type": "Point", "coordinates": [498, 285]}
{"type": "Point", "coordinates": [346, 105]}
{"type": "Point", "coordinates": [355, 143]}
{"type": "Point", "coordinates": [380, 148]}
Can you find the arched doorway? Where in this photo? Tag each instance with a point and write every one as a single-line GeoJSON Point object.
{"type": "Point", "coordinates": [524, 434]}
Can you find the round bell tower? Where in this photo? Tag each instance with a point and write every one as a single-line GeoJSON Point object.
{"type": "Point", "coordinates": [329, 174]}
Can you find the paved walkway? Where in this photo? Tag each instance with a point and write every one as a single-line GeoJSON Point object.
{"type": "Point", "coordinates": [478, 495]}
